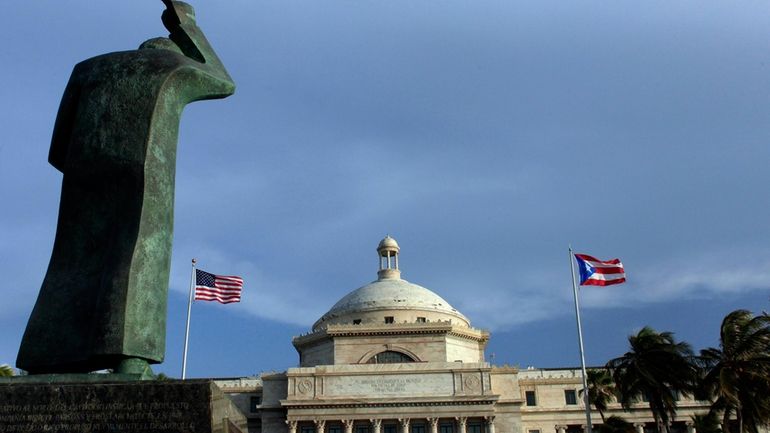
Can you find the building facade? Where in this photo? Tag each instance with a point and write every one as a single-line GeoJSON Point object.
{"type": "Point", "coordinates": [394, 357]}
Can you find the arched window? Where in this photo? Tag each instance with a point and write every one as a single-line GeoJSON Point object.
{"type": "Point", "coordinates": [389, 357]}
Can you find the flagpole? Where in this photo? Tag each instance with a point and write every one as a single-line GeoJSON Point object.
{"type": "Point", "coordinates": [586, 399]}
{"type": "Point", "coordinates": [187, 327]}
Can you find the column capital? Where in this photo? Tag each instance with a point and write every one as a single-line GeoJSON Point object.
{"type": "Point", "coordinates": [376, 424]}
{"type": "Point", "coordinates": [462, 422]}
{"type": "Point", "coordinates": [433, 425]}
{"type": "Point", "coordinates": [348, 425]}
{"type": "Point", "coordinates": [319, 425]}
{"type": "Point", "coordinates": [404, 424]}
{"type": "Point", "coordinates": [490, 424]}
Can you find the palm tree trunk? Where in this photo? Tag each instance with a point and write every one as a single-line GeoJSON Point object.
{"type": "Point", "coordinates": [726, 422]}
{"type": "Point", "coordinates": [656, 418]}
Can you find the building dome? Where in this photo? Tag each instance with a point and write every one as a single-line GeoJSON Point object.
{"type": "Point", "coordinates": [390, 297]}
{"type": "Point", "coordinates": [388, 242]}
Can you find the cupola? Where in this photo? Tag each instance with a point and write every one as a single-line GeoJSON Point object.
{"type": "Point", "coordinates": [388, 252]}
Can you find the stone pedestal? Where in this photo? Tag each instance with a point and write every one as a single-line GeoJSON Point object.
{"type": "Point", "coordinates": [169, 406]}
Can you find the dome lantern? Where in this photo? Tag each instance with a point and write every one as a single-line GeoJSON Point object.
{"type": "Point", "coordinates": [387, 251]}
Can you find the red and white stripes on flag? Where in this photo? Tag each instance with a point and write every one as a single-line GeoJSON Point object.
{"type": "Point", "coordinates": [220, 288]}
{"type": "Point", "coordinates": [594, 272]}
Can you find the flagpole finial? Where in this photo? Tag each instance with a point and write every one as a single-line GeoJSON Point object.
{"type": "Point", "coordinates": [194, 261]}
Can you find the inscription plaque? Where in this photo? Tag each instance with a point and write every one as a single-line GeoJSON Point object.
{"type": "Point", "coordinates": [139, 407]}
{"type": "Point", "coordinates": [391, 385]}
{"type": "Point", "coordinates": [138, 417]}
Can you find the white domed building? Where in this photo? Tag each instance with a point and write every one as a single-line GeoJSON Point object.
{"type": "Point", "coordinates": [390, 357]}
{"type": "Point", "coordinates": [391, 320]}
{"type": "Point", "coordinates": [395, 357]}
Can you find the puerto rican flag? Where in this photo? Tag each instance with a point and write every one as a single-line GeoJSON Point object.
{"type": "Point", "coordinates": [594, 272]}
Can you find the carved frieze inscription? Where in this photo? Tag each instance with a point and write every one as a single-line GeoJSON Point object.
{"type": "Point", "coordinates": [390, 385]}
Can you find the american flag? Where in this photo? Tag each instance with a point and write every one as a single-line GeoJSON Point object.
{"type": "Point", "coordinates": [220, 288]}
{"type": "Point", "coordinates": [595, 272]}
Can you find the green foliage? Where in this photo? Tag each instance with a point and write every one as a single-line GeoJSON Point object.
{"type": "Point", "coordinates": [601, 389]}
{"type": "Point", "coordinates": [615, 424]}
{"type": "Point", "coordinates": [706, 423]}
{"type": "Point", "coordinates": [737, 374]}
{"type": "Point", "coordinates": [6, 370]}
{"type": "Point", "coordinates": [656, 366]}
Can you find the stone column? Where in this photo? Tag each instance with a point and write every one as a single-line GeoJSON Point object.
{"type": "Point", "coordinates": [292, 426]}
{"type": "Point", "coordinates": [561, 428]}
{"type": "Point", "coordinates": [490, 424]}
{"type": "Point", "coordinates": [404, 425]}
{"type": "Point", "coordinates": [348, 425]}
{"type": "Point", "coordinates": [462, 421]}
{"type": "Point", "coordinates": [319, 425]}
{"type": "Point", "coordinates": [639, 427]}
{"type": "Point", "coordinates": [376, 425]}
{"type": "Point", "coordinates": [690, 426]}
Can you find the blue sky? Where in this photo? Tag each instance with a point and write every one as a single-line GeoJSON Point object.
{"type": "Point", "coordinates": [484, 136]}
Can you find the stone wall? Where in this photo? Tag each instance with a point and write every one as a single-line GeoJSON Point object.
{"type": "Point", "coordinates": [427, 348]}
{"type": "Point", "coordinates": [463, 349]}
{"type": "Point", "coordinates": [319, 353]}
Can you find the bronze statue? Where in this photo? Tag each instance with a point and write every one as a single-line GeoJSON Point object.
{"type": "Point", "coordinates": [102, 304]}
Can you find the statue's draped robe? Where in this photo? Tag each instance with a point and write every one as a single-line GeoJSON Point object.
{"type": "Point", "coordinates": [105, 292]}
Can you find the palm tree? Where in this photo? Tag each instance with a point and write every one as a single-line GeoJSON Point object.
{"type": "Point", "coordinates": [706, 423]}
{"type": "Point", "coordinates": [737, 377]}
{"type": "Point", "coordinates": [656, 367]}
{"type": "Point", "coordinates": [6, 370]}
{"type": "Point", "coordinates": [601, 389]}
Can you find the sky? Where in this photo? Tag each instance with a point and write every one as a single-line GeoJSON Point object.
{"type": "Point", "coordinates": [485, 136]}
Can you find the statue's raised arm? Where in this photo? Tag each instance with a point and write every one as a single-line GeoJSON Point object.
{"type": "Point", "coordinates": [179, 19]}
